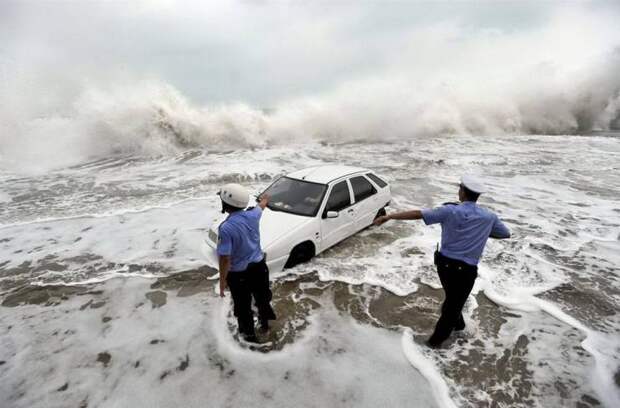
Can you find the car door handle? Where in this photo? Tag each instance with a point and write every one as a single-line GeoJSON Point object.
{"type": "Point", "coordinates": [351, 210]}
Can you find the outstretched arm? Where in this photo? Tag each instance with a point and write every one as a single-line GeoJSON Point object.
{"type": "Point", "coordinates": [500, 230]}
{"type": "Point", "coordinates": [403, 215]}
{"type": "Point", "coordinates": [431, 216]}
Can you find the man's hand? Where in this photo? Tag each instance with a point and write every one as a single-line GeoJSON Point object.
{"type": "Point", "coordinates": [381, 220]}
{"type": "Point", "coordinates": [263, 200]}
{"type": "Point", "coordinates": [223, 287]}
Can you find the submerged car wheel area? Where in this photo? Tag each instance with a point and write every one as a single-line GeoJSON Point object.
{"type": "Point", "coordinates": [313, 209]}
{"type": "Point", "coordinates": [301, 253]}
{"type": "Point", "coordinates": [381, 213]}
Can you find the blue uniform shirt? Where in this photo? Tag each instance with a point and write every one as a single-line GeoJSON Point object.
{"type": "Point", "coordinates": [465, 229]}
{"type": "Point", "coordinates": [239, 237]}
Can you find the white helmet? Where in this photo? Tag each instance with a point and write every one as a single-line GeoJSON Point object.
{"type": "Point", "coordinates": [234, 195]}
{"type": "Point", "coordinates": [473, 184]}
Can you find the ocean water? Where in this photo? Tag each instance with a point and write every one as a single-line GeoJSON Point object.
{"type": "Point", "coordinates": [106, 299]}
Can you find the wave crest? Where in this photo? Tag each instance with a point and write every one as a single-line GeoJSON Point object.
{"type": "Point", "coordinates": [153, 118]}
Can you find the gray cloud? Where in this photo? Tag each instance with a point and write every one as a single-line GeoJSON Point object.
{"type": "Point", "coordinates": [259, 52]}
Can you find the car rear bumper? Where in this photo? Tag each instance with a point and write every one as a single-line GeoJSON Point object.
{"type": "Point", "coordinates": [276, 265]}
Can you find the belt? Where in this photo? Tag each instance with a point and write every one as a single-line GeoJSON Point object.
{"type": "Point", "coordinates": [461, 265]}
{"type": "Point", "coordinates": [249, 265]}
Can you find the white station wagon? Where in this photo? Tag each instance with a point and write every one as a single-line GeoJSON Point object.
{"type": "Point", "coordinates": [313, 209]}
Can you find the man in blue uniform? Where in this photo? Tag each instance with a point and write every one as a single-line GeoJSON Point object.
{"type": "Point", "coordinates": [242, 262]}
{"type": "Point", "coordinates": [465, 228]}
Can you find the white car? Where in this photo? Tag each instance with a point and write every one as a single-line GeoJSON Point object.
{"type": "Point", "coordinates": [311, 210]}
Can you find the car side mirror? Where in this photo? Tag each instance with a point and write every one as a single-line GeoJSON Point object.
{"type": "Point", "coordinates": [331, 214]}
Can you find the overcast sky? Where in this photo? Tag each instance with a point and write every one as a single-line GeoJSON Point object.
{"type": "Point", "coordinates": [263, 52]}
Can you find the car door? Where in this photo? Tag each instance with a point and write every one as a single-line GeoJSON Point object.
{"type": "Point", "coordinates": [336, 229]}
{"type": "Point", "coordinates": [366, 202]}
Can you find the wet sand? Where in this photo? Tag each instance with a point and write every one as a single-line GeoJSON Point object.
{"type": "Point", "coordinates": [488, 378]}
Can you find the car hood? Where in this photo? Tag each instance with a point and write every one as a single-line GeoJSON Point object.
{"type": "Point", "coordinates": [273, 226]}
{"type": "Point", "coordinates": [277, 224]}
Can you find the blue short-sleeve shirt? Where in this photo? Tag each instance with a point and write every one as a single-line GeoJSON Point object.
{"type": "Point", "coordinates": [239, 238]}
{"type": "Point", "coordinates": [465, 229]}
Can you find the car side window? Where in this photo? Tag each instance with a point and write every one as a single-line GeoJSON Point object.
{"type": "Point", "coordinates": [339, 197]}
{"type": "Point", "coordinates": [377, 180]}
{"type": "Point", "coordinates": [362, 188]}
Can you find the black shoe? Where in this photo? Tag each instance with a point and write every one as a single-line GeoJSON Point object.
{"type": "Point", "coordinates": [264, 326]}
{"type": "Point", "coordinates": [250, 338]}
{"type": "Point", "coordinates": [460, 327]}
{"type": "Point", "coordinates": [432, 344]}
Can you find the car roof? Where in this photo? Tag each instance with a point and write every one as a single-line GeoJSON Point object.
{"type": "Point", "coordinates": [325, 174]}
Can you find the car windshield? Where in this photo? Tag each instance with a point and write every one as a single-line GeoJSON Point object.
{"type": "Point", "coordinates": [295, 196]}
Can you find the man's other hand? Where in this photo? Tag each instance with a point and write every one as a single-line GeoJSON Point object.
{"type": "Point", "coordinates": [381, 220]}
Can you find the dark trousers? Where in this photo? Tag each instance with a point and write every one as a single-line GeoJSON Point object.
{"type": "Point", "coordinates": [248, 284]}
{"type": "Point", "coordinates": [457, 279]}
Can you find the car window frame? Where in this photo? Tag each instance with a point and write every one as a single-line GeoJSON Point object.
{"type": "Point", "coordinates": [331, 188]}
{"type": "Point", "coordinates": [367, 175]}
{"type": "Point", "coordinates": [375, 190]}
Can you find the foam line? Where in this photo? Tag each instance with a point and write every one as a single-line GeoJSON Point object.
{"type": "Point", "coordinates": [372, 281]}
{"type": "Point", "coordinates": [112, 274]}
{"type": "Point", "coordinates": [604, 372]}
{"type": "Point", "coordinates": [228, 345]}
{"type": "Point", "coordinates": [428, 370]}
{"type": "Point", "coordinates": [603, 384]}
{"type": "Point", "coordinates": [105, 214]}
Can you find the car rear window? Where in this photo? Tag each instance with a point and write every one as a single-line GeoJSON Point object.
{"type": "Point", "coordinates": [362, 188]}
{"type": "Point", "coordinates": [377, 180]}
{"type": "Point", "coordinates": [339, 197]}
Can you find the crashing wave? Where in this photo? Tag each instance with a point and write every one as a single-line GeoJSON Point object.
{"type": "Point", "coordinates": [152, 118]}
